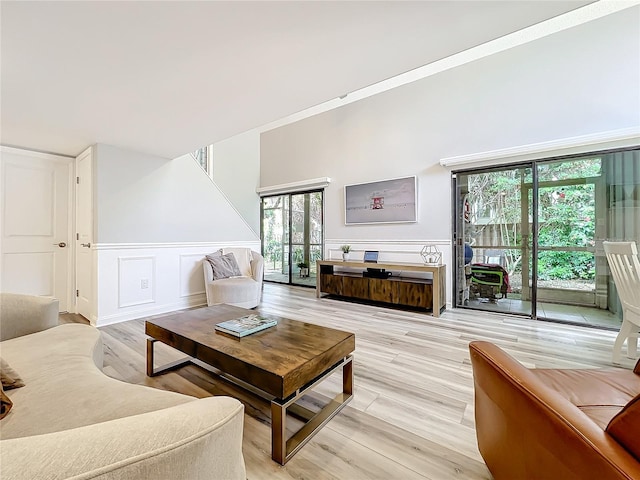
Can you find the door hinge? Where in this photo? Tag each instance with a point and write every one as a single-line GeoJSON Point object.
{"type": "Point", "coordinates": [77, 179]}
{"type": "Point", "coordinates": [77, 236]}
{"type": "Point", "coordinates": [77, 293]}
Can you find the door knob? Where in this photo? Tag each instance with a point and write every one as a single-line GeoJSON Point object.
{"type": "Point", "coordinates": [88, 245]}
{"type": "Point", "coordinates": [61, 244]}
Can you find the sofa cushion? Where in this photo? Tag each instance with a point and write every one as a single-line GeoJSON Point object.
{"type": "Point", "coordinates": [9, 377]}
{"type": "Point", "coordinates": [236, 290]}
{"type": "Point", "coordinates": [625, 427]}
{"type": "Point", "coordinates": [599, 393]}
{"type": "Point", "coordinates": [224, 266]}
{"type": "Point", "coordinates": [601, 415]}
{"type": "Point", "coordinates": [592, 387]}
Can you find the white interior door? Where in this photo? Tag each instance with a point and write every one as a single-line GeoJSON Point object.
{"type": "Point", "coordinates": [36, 229]}
{"type": "Point", "coordinates": [84, 238]}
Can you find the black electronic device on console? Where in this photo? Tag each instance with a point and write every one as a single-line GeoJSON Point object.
{"type": "Point", "coordinates": [376, 273]}
{"type": "Point", "coordinates": [371, 256]}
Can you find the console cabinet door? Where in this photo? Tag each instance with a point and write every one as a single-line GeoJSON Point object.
{"type": "Point", "coordinates": [356, 287]}
{"type": "Point", "coordinates": [331, 284]}
{"type": "Point", "coordinates": [382, 290]}
{"type": "Point", "coordinates": [415, 294]}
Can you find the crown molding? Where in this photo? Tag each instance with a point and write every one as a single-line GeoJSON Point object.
{"type": "Point", "coordinates": [581, 144]}
{"type": "Point", "coordinates": [311, 184]}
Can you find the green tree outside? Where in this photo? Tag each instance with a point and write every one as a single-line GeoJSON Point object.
{"type": "Point", "coordinates": [566, 215]}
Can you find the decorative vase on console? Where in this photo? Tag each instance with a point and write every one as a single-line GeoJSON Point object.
{"type": "Point", "coordinates": [345, 252]}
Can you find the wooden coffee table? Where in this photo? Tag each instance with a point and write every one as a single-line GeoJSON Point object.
{"type": "Point", "coordinates": [284, 362]}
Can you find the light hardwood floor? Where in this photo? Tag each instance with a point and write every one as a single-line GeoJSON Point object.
{"type": "Point", "coordinates": [412, 415]}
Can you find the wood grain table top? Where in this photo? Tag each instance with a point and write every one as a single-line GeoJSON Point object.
{"type": "Point", "coordinates": [278, 360]}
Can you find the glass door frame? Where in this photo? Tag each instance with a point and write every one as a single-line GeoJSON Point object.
{"type": "Point", "coordinates": [290, 244]}
{"type": "Point", "coordinates": [527, 234]}
{"type": "Point", "coordinates": [529, 244]}
{"type": "Point", "coordinates": [535, 249]}
{"type": "Point", "coordinates": [601, 187]}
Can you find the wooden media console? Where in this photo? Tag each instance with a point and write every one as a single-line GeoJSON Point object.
{"type": "Point", "coordinates": [337, 277]}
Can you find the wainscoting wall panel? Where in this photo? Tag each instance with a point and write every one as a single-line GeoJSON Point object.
{"type": "Point", "coordinates": [191, 276]}
{"type": "Point", "coordinates": [136, 280]}
{"type": "Point", "coordinates": [139, 280]}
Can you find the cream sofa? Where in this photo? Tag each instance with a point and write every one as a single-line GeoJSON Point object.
{"type": "Point", "coordinates": [72, 421]}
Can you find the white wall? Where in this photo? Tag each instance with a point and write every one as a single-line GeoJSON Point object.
{"type": "Point", "coordinates": [576, 82]}
{"type": "Point", "coordinates": [236, 170]}
{"type": "Point", "coordinates": [149, 199]}
{"type": "Point", "coordinates": [156, 220]}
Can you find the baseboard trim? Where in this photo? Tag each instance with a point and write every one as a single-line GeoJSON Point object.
{"type": "Point", "coordinates": [189, 302]}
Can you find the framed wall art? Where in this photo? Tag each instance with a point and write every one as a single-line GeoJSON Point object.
{"type": "Point", "coordinates": [386, 201]}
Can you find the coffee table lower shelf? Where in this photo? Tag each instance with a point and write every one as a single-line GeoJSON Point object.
{"type": "Point", "coordinates": [282, 448]}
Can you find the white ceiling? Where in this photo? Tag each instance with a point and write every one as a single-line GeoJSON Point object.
{"type": "Point", "coordinates": [165, 77]}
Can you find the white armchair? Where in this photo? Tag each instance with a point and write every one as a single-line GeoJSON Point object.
{"type": "Point", "coordinates": [242, 291]}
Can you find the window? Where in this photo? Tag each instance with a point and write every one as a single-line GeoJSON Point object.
{"type": "Point", "coordinates": [204, 157]}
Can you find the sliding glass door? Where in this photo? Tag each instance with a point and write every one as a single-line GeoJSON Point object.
{"type": "Point", "coordinates": [275, 237]}
{"type": "Point", "coordinates": [492, 234]}
{"type": "Point", "coordinates": [292, 234]}
{"type": "Point", "coordinates": [529, 237]}
{"type": "Point", "coordinates": [566, 267]}
{"type": "Point", "coordinates": [306, 237]}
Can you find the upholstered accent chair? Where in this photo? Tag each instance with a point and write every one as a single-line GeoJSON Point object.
{"type": "Point", "coordinates": [548, 423]}
{"type": "Point", "coordinates": [242, 289]}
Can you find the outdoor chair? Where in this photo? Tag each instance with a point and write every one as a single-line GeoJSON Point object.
{"type": "Point", "coordinates": [625, 270]}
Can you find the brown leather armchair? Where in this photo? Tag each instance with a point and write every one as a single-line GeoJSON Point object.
{"type": "Point", "coordinates": [565, 424]}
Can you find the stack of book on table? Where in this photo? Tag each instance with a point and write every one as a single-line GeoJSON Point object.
{"type": "Point", "coordinates": [246, 325]}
